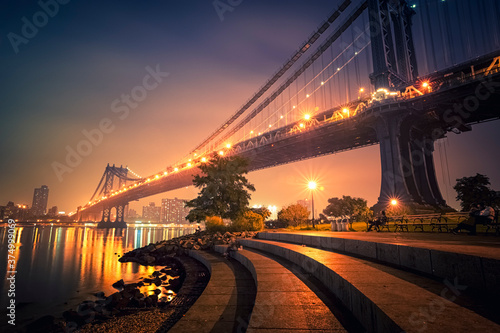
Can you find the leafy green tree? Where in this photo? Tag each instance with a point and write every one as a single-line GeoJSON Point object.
{"type": "Point", "coordinates": [224, 189]}
{"type": "Point", "coordinates": [294, 215]}
{"type": "Point", "coordinates": [347, 205]}
{"type": "Point", "coordinates": [262, 211]}
{"type": "Point", "coordinates": [475, 189]}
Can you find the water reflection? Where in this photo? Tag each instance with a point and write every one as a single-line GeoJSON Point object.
{"type": "Point", "coordinates": [58, 265]}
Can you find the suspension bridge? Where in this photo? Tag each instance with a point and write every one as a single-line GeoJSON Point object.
{"type": "Point", "coordinates": [400, 74]}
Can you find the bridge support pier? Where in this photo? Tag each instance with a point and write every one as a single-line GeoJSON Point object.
{"type": "Point", "coordinates": [106, 217]}
{"type": "Point", "coordinates": [408, 174]}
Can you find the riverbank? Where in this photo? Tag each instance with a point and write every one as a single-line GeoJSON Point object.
{"type": "Point", "coordinates": [150, 298]}
{"type": "Point", "coordinates": [148, 294]}
{"type": "Point", "coordinates": [158, 253]}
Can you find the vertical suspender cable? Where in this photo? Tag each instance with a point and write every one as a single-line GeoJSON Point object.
{"type": "Point", "coordinates": [431, 37]}
{"type": "Point", "coordinates": [451, 44]}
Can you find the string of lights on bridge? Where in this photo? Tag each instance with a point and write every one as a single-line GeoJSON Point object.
{"type": "Point", "coordinates": [299, 115]}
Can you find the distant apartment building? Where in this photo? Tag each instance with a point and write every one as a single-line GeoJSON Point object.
{"type": "Point", "coordinates": [173, 211]}
{"type": "Point", "coordinates": [151, 213]}
{"type": "Point", "coordinates": [40, 199]}
{"type": "Point", "coordinates": [132, 214]}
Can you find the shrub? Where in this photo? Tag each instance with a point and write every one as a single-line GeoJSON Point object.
{"type": "Point", "coordinates": [214, 224]}
{"type": "Point", "coordinates": [250, 221]}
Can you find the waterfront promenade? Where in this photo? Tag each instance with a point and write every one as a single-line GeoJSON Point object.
{"type": "Point", "coordinates": [353, 281]}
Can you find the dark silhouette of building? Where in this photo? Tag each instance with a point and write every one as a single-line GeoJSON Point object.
{"type": "Point", "coordinates": [40, 199]}
{"type": "Point", "coordinates": [53, 211]}
{"type": "Point", "coordinates": [132, 214]}
{"type": "Point", "coordinates": [173, 211]}
{"type": "Point", "coordinates": [16, 212]}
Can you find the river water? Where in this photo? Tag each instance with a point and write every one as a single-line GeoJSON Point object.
{"type": "Point", "coordinates": [59, 267]}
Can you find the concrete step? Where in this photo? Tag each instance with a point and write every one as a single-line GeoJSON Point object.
{"type": "Point", "coordinates": [478, 268]}
{"type": "Point", "coordinates": [381, 301]}
{"type": "Point", "coordinates": [227, 301]}
{"type": "Point", "coordinates": [283, 302]}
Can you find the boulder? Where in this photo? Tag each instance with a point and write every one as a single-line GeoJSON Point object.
{"type": "Point", "coordinates": [72, 316]}
{"type": "Point", "coordinates": [100, 294]}
{"type": "Point", "coordinates": [118, 284]}
{"type": "Point", "coordinates": [149, 259]}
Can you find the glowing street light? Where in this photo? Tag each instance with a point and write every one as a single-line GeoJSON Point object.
{"type": "Point", "coordinates": [394, 202]}
{"type": "Point", "coordinates": [312, 186]}
{"type": "Point", "coordinates": [307, 116]}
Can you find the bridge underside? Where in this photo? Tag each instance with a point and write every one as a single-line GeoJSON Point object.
{"type": "Point", "coordinates": [405, 129]}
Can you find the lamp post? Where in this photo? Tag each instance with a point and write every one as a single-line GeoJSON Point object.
{"type": "Point", "coordinates": [312, 187]}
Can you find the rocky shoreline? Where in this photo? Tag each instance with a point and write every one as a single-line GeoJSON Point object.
{"type": "Point", "coordinates": [161, 252]}
{"type": "Point", "coordinates": [130, 300]}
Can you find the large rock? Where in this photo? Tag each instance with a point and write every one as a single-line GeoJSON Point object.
{"type": "Point", "coordinates": [118, 284]}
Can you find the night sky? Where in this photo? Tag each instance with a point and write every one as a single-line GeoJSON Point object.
{"type": "Point", "coordinates": [64, 79]}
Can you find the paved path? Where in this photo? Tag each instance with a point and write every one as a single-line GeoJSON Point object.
{"type": "Point", "coordinates": [482, 246]}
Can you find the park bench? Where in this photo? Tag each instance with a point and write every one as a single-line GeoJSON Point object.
{"type": "Point", "coordinates": [392, 221]}
{"type": "Point", "coordinates": [437, 221]}
{"type": "Point", "coordinates": [494, 225]}
{"type": "Point", "coordinates": [442, 222]}
{"type": "Point", "coordinates": [447, 220]}
{"type": "Point", "coordinates": [453, 219]}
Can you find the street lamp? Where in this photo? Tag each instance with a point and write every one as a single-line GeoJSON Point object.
{"type": "Point", "coordinates": [312, 186]}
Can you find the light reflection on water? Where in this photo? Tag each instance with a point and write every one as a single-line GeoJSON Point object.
{"type": "Point", "coordinates": [58, 265]}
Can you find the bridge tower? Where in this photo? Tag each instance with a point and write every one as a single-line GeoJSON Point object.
{"type": "Point", "coordinates": [107, 185]}
{"type": "Point", "coordinates": [406, 150]}
{"type": "Point", "coordinates": [393, 51]}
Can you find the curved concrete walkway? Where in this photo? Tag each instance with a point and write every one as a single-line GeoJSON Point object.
{"type": "Point", "coordinates": [227, 301]}
{"type": "Point", "coordinates": [381, 302]}
{"type": "Point", "coordinates": [283, 303]}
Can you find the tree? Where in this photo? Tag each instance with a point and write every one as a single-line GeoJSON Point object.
{"type": "Point", "coordinates": [348, 205]}
{"type": "Point", "coordinates": [262, 211]}
{"type": "Point", "coordinates": [294, 215]}
{"type": "Point", "coordinates": [475, 189]}
{"type": "Point", "coordinates": [224, 189]}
